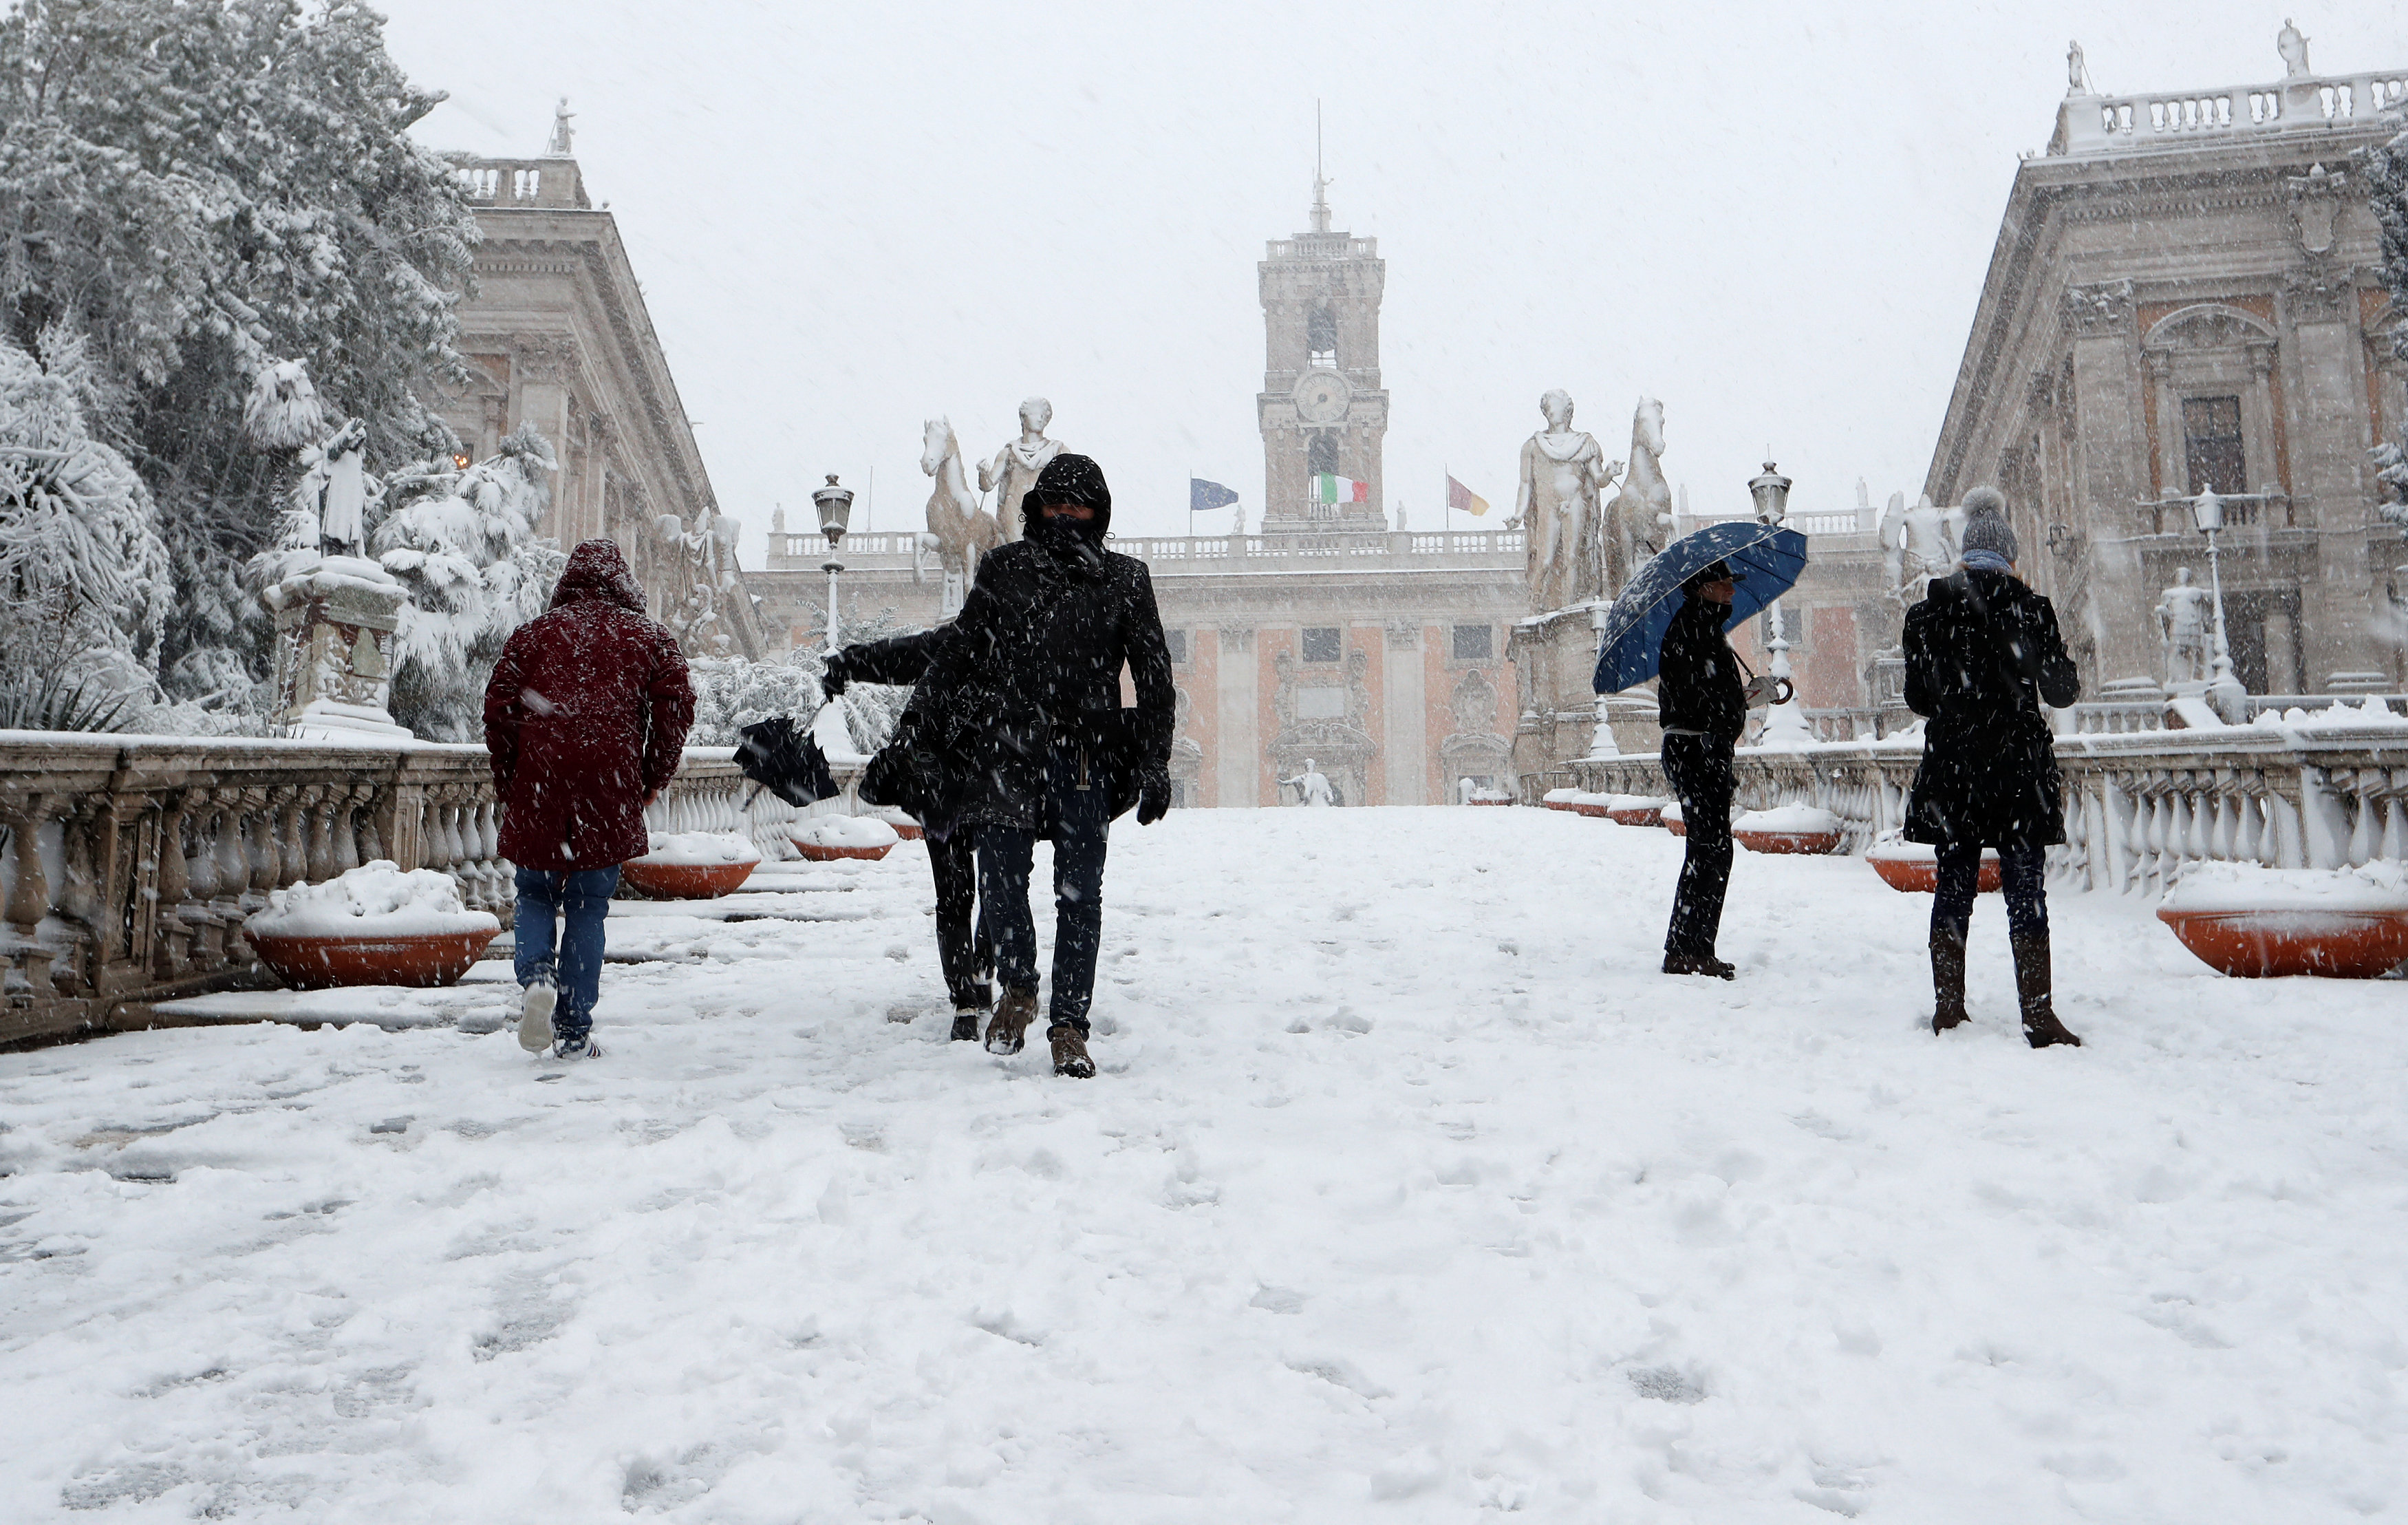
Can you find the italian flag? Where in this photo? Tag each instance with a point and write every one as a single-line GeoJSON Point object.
{"type": "Point", "coordinates": [1331, 489]}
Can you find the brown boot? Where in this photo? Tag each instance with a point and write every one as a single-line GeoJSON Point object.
{"type": "Point", "coordinates": [2041, 1026]}
{"type": "Point", "coordinates": [1012, 1014]}
{"type": "Point", "coordinates": [1070, 1053]}
{"type": "Point", "coordinates": [1948, 978]}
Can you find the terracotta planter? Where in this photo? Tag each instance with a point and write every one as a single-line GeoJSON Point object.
{"type": "Point", "coordinates": [684, 880]}
{"type": "Point", "coordinates": [1921, 875]}
{"type": "Point", "coordinates": [2342, 944]}
{"type": "Point", "coordinates": [1789, 841]}
{"type": "Point", "coordinates": [907, 830]}
{"type": "Point", "coordinates": [816, 852]}
{"type": "Point", "coordinates": [1673, 824]}
{"type": "Point", "coordinates": [1567, 806]}
{"type": "Point", "coordinates": [323, 963]}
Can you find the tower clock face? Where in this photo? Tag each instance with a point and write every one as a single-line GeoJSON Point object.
{"type": "Point", "coordinates": [1322, 396]}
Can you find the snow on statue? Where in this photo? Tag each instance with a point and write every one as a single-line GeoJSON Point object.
{"type": "Point", "coordinates": [1312, 786]}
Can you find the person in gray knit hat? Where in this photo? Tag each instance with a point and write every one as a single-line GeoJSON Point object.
{"type": "Point", "coordinates": [1982, 655]}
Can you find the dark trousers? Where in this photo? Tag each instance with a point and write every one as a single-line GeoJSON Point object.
{"type": "Point", "coordinates": [1700, 770]}
{"type": "Point", "coordinates": [558, 931]}
{"type": "Point", "coordinates": [2020, 880]}
{"type": "Point", "coordinates": [961, 940]}
{"type": "Point", "coordinates": [1078, 806]}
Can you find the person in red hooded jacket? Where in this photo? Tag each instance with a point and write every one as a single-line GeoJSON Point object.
{"type": "Point", "coordinates": [586, 719]}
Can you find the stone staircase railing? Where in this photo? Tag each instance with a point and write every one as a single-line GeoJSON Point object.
{"type": "Point", "coordinates": [2137, 805]}
{"type": "Point", "coordinates": [127, 864]}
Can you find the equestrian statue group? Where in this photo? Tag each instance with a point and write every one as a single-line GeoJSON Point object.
{"type": "Point", "coordinates": [960, 527]}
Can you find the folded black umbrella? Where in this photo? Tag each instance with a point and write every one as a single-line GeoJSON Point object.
{"type": "Point", "coordinates": [782, 757]}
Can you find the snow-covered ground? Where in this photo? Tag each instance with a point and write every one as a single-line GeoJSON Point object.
{"type": "Point", "coordinates": [1408, 1189]}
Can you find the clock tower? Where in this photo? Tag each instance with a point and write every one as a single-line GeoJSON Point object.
{"type": "Point", "coordinates": [1321, 410]}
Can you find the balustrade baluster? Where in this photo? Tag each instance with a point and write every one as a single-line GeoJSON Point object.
{"type": "Point", "coordinates": [233, 875]}
{"type": "Point", "coordinates": [258, 820]}
{"type": "Point", "coordinates": [172, 943]}
{"type": "Point", "coordinates": [29, 898]}
{"type": "Point", "coordinates": [2395, 817]}
{"type": "Point", "coordinates": [319, 802]}
{"type": "Point", "coordinates": [75, 968]}
{"type": "Point", "coordinates": [2324, 830]}
{"type": "Point", "coordinates": [293, 851]}
{"type": "Point", "coordinates": [2365, 837]}
{"type": "Point", "coordinates": [355, 830]}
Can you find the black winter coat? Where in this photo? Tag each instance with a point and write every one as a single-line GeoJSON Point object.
{"type": "Point", "coordinates": [1982, 652]}
{"type": "Point", "coordinates": [1034, 658]}
{"type": "Point", "coordinates": [1697, 686]}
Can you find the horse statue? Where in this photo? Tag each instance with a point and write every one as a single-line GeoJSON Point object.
{"type": "Point", "coordinates": [1638, 518]}
{"type": "Point", "coordinates": [962, 531]}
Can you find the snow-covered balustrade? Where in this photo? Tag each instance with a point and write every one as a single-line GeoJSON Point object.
{"type": "Point", "coordinates": [2319, 792]}
{"type": "Point", "coordinates": [2097, 124]}
{"type": "Point", "coordinates": [128, 863]}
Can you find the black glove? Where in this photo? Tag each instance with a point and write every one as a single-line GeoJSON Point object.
{"type": "Point", "coordinates": [1152, 794]}
{"type": "Point", "coordinates": [834, 675]}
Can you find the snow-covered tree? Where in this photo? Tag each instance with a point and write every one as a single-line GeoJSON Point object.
{"type": "Point", "coordinates": [204, 188]}
{"type": "Point", "coordinates": [83, 574]}
{"type": "Point", "coordinates": [463, 543]}
{"type": "Point", "coordinates": [731, 692]}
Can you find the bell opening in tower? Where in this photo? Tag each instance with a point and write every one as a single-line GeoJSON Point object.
{"type": "Point", "coordinates": [1321, 337]}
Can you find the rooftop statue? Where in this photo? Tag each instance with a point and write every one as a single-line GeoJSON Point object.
{"type": "Point", "coordinates": [2293, 46]}
{"type": "Point", "coordinates": [1013, 470]}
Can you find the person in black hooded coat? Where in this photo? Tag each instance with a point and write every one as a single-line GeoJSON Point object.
{"type": "Point", "coordinates": [905, 775]}
{"type": "Point", "coordinates": [1982, 653]}
{"type": "Point", "coordinates": [1025, 737]}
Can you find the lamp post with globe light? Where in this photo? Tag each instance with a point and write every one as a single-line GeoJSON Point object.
{"type": "Point", "coordinates": [1770, 491]}
{"type": "Point", "coordinates": [2224, 691]}
{"type": "Point", "coordinates": [835, 504]}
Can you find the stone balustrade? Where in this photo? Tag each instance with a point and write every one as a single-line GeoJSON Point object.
{"type": "Point", "coordinates": [2095, 125]}
{"type": "Point", "coordinates": [1173, 554]}
{"type": "Point", "coordinates": [128, 863]}
{"type": "Point", "coordinates": [2137, 805]}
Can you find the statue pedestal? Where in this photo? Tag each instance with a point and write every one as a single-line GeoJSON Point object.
{"type": "Point", "coordinates": [334, 621]}
{"type": "Point", "coordinates": [1554, 662]}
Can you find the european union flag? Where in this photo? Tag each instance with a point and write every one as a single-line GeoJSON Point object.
{"type": "Point", "coordinates": [1202, 495]}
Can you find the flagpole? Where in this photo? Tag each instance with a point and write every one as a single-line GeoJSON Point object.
{"type": "Point", "coordinates": [1447, 496]}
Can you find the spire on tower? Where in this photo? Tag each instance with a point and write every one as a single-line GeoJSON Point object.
{"type": "Point", "coordinates": [1320, 180]}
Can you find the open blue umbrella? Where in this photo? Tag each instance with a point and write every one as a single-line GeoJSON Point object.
{"type": "Point", "coordinates": [1633, 647]}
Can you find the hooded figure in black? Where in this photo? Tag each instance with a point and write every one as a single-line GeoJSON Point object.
{"type": "Point", "coordinates": [1982, 653]}
{"type": "Point", "coordinates": [1021, 701]}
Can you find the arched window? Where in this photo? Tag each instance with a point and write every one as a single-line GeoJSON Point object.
{"type": "Point", "coordinates": [1321, 454]}
{"type": "Point", "coordinates": [1320, 336]}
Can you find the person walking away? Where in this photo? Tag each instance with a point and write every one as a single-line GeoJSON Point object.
{"type": "Point", "coordinates": [1982, 653]}
{"type": "Point", "coordinates": [906, 774]}
{"type": "Point", "coordinates": [1704, 705]}
{"type": "Point", "coordinates": [586, 719]}
{"type": "Point", "coordinates": [1030, 674]}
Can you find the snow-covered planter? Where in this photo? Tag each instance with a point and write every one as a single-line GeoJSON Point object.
{"type": "Point", "coordinates": [1790, 828]}
{"type": "Point", "coordinates": [2349, 924]}
{"type": "Point", "coordinates": [1913, 868]}
{"type": "Point", "coordinates": [906, 826]}
{"type": "Point", "coordinates": [690, 866]}
{"type": "Point", "coordinates": [1637, 810]}
{"type": "Point", "coordinates": [824, 839]}
{"type": "Point", "coordinates": [374, 924]}
{"type": "Point", "coordinates": [1575, 802]}
{"type": "Point", "coordinates": [1670, 819]}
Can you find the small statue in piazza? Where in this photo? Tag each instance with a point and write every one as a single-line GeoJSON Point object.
{"type": "Point", "coordinates": [2184, 613]}
{"type": "Point", "coordinates": [1312, 786]}
{"type": "Point", "coordinates": [335, 489]}
{"type": "Point", "coordinates": [1013, 470]}
{"type": "Point", "coordinates": [1558, 506]}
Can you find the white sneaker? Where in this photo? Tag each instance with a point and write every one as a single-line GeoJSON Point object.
{"type": "Point", "coordinates": [535, 1016]}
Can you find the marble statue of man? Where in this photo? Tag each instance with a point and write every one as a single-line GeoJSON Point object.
{"type": "Point", "coordinates": [1564, 475]}
{"type": "Point", "coordinates": [1918, 544]}
{"type": "Point", "coordinates": [333, 489]}
{"type": "Point", "coordinates": [2293, 45]}
{"type": "Point", "coordinates": [1312, 786]}
{"type": "Point", "coordinates": [2183, 615]}
{"type": "Point", "coordinates": [1014, 468]}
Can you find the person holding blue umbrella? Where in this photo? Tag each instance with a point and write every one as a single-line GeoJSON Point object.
{"type": "Point", "coordinates": [1669, 623]}
{"type": "Point", "coordinates": [1703, 704]}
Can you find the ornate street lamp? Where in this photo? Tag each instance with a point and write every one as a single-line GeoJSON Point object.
{"type": "Point", "coordinates": [835, 504]}
{"type": "Point", "coordinates": [2224, 691]}
{"type": "Point", "coordinates": [1771, 490]}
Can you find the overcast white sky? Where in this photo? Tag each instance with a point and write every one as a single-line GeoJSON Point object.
{"type": "Point", "coordinates": [1774, 217]}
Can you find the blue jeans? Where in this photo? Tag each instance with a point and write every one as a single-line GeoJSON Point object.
{"type": "Point", "coordinates": [1079, 808]}
{"type": "Point", "coordinates": [583, 896]}
{"type": "Point", "coordinates": [2021, 873]}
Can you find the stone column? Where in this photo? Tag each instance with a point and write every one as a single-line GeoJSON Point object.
{"type": "Point", "coordinates": [2327, 403]}
{"type": "Point", "coordinates": [2110, 473]}
{"type": "Point", "coordinates": [1406, 743]}
{"type": "Point", "coordinates": [1239, 759]}
{"type": "Point", "coordinates": [2258, 431]}
{"type": "Point", "coordinates": [2170, 481]}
